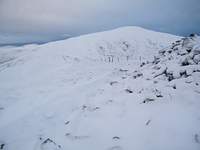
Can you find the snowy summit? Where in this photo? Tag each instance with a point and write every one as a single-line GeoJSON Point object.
{"type": "Point", "coordinates": [125, 89]}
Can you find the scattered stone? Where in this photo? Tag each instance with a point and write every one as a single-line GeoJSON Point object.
{"type": "Point", "coordinates": [178, 41]}
{"type": "Point", "coordinates": [185, 62]}
{"type": "Point", "coordinates": [172, 75]}
{"type": "Point", "coordinates": [137, 75]}
{"type": "Point", "coordinates": [192, 35]}
{"type": "Point", "coordinates": [169, 51]}
{"type": "Point", "coordinates": [113, 82]}
{"type": "Point", "coordinates": [96, 108]}
{"type": "Point", "coordinates": [159, 96]}
{"type": "Point", "coordinates": [67, 134]}
{"type": "Point", "coordinates": [148, 100]}
{"type": "Point", "coordinates": [189, 50]}
{"type": "Point", "coordinates": [148, 122]}
{"type": "Point", "coordinates": [129, 91]}
{"type": "Point", "coordinates": [84, 107]}
{"type": "Point", "coordinates": [174, 86]}
{"type": "Point", "coordinates": [157, 93]}
{"type": "Point", "coordinates": [184, 74]}
{"type": "Point", "coordinates": [196, 70]}
{"type": "Point", "coordinates": [162, 52]}
{"type": "Point", "coordinates": [142, 64]}
{"type": "Point", "coordinates": [66, 123]}
{"type": "Point", "coordinates": [116, 138]}
{"type": "Point", "coordinates": [169, 76]}
{"type": "Point", "coordinates": [2, 146]}
{"type": "Point", "coordinates": [156, 60]}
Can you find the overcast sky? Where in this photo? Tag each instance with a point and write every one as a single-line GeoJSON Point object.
{"type": "Point", "coordinates": [43, 20]}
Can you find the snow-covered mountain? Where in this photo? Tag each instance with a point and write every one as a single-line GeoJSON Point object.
{"type": "Point", "coordinates": [124, 89]}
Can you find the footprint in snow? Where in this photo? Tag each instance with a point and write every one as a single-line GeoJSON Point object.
{"type": "Point", "coordinates": [89, 108]}
{"type": "Point", "coordinates": [76, 137]}
{"type": "Point", "coordinates": [49, 144]}
{"type": "Point", "coordinates": [116, 138]}
{"type": "Point", "coordinates": [115, 148]}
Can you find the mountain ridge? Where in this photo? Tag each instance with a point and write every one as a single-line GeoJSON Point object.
{"type": "Point", "coordinates": [117, 90]}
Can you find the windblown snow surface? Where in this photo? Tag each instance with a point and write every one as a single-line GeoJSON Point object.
{"type": "Point", "coordinates": [125, 89]}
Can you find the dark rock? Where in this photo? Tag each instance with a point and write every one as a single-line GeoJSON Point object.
{"type": "Point", "coordinates": [2, 146]}
{"type": "Point", "coordinates": [184, 74]}
{"type": "Point", "coordinates": [67, 122]}
{"type": "Point", "coordinates": [162, 52]}
{"type": "Point", "coordinates": [96, 108]}
{"type": "Point", "coordinates": [142, 64]}
{"type": "Point", "coordinates": [148, 100]}
{"type": "Point", "coordinates": [169, 51]}
{"type": "Point", "coordinates": [137, 75]}
{"type": "Point", "coordinates": [148, 122]}
{"type": "Point", "coordinates": [192, 35]}
{"type": "Point", "coordinates": [189, 50]}
{"type": "Point", "coordinates": [129, 91]}
{"type": "Point", "coordinates": [174, 86]}
{"type": "Point", "coordinates": [159, 96]}
{"type": "Point", "coordinates": [178, 41]}
{"type": "Point", "coordinates": [170, 77]}
{"type": "Point", "coordinates": [185, 63]}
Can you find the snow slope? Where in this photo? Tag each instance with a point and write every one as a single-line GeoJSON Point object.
{"type": "Point", "coordinates": [124, 89]}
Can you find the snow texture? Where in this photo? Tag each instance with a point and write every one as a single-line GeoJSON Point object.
{"type": "Point", "coordinates": [124, 89]}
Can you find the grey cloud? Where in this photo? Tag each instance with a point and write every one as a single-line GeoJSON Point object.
{"type": "Point", "coordinates": [44, 20]}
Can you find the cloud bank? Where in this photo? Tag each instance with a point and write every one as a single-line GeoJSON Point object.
{"type": "Point", "coordinates": [44, 20]}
